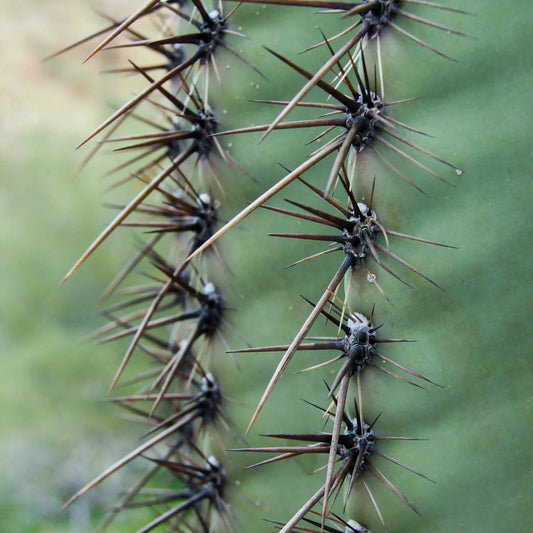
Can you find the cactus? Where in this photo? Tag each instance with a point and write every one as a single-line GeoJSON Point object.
{"type": "Point", "coordinates": [423, 314]}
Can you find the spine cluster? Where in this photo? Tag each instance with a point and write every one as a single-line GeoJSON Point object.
{"type": "Point", "coordinates": [171, 313]}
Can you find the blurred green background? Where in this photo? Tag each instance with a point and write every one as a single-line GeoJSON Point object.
{"type": "Point", "coordinates": [474, 338]}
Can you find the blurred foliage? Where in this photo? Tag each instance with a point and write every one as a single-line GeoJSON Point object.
{"type": "Point", "coordinates": [474, 338]}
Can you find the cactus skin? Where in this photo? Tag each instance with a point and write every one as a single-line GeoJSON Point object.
{"type": "Point", "coordinates": [462, 349]}
{"type": "Point", "coordinates": [486, 384]}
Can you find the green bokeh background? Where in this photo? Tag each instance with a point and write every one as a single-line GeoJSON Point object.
{"type": "Point", "coordinates": [474, 338]}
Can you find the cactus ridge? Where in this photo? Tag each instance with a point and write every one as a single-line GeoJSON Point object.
{"type": "Point", "coordinates": [175, 319]}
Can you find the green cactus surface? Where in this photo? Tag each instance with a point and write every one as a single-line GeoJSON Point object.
{"type": "Point", "coordinates": [473, 338]}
